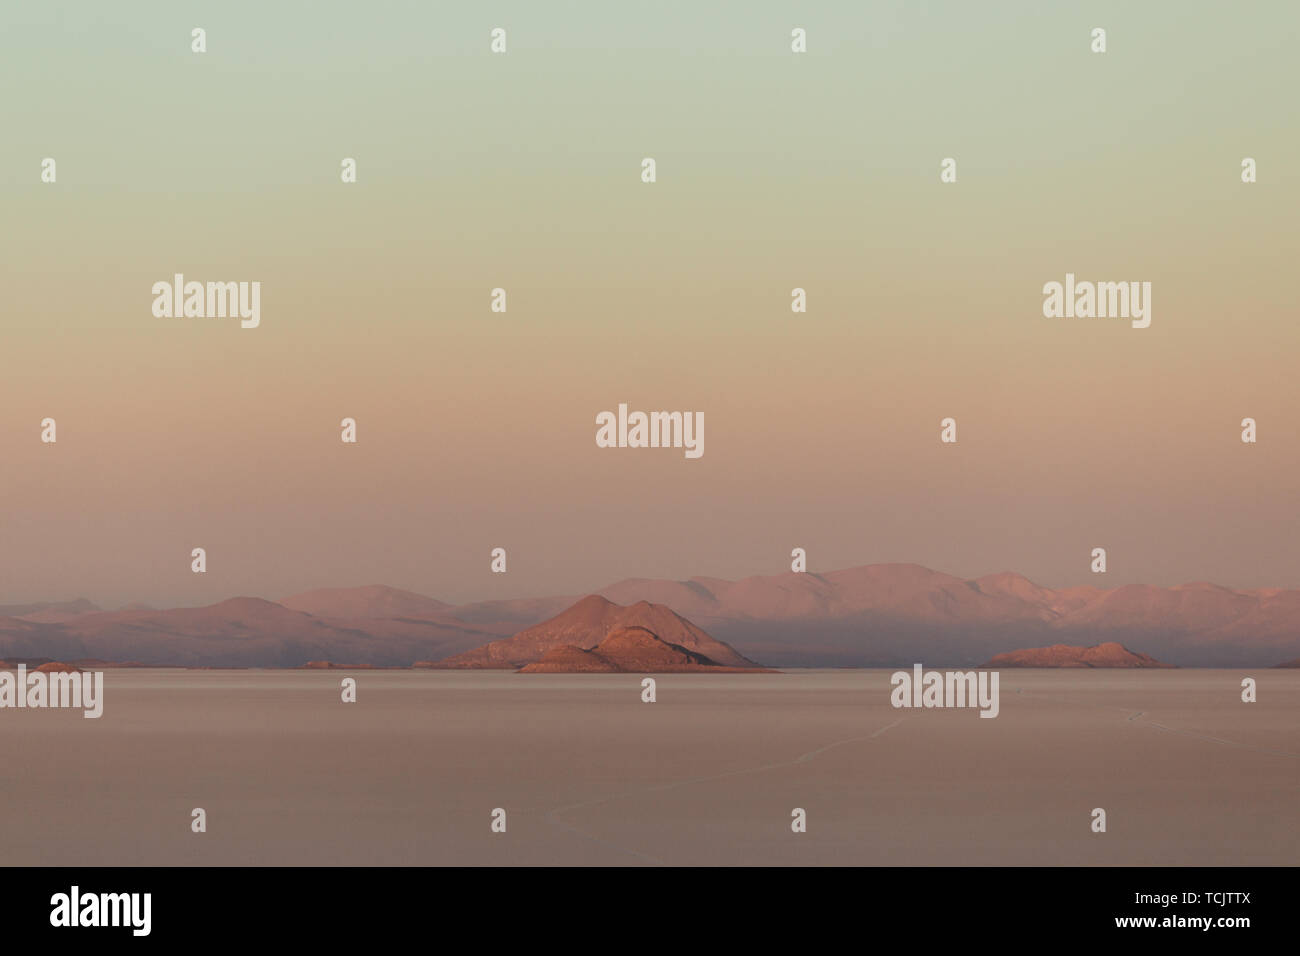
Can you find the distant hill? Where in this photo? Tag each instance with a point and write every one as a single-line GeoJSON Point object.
{"type": "Point", "coordinates": [1109, 654]}
{"type": "Point", "coordinates": [58, 667]}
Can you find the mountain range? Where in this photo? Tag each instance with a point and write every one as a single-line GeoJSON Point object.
{"type": "Point", "coordinates": [882, 615]}
{"type": "Point", "coordinates": [1109, 654]}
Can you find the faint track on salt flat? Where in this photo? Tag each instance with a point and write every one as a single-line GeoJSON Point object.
{"type": "Point", "coordinates": [553, 816]}
{"type": "Point", "coordinates": [1135, 718]}
{"type": "Point", "coordinates": [1217, 740]}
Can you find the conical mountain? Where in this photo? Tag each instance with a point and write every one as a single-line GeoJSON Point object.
{"type": "Point", "coordinates": [586, 624]}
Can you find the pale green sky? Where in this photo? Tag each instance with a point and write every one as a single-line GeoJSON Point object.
{"type": "Point", "coordinates": [775, 170]}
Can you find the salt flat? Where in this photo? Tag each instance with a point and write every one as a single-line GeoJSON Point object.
{"type": "Point", "coordinates": [708, 774]}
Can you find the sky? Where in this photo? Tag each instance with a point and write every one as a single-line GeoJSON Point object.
{"type": "Point", "coordinates": [522, 171]}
